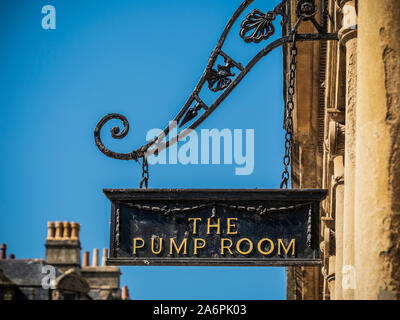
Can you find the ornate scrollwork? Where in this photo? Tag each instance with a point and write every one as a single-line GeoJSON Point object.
{"type": "Point", "coordinates": [256, 27]}
{"type": "Point", "coordinates": [260, 24]}
{"type": "Point", "coordinates": [193, 112]}
{"type": "Point", "coordinates": [117, 229]}
{"type": "Point", "coordinates": [306, 9]}
{"type": "Point", "coordinates": [219, 79]}
{"type": "Point", "coordinates": [116, 134]}
{"type": "Point", "coordinates": [261, 209]}
{"type": "Point", "coordinates": [309, 227]}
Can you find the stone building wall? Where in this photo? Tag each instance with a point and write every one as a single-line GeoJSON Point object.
{"type": "Point", "coordinates": [347, 140]}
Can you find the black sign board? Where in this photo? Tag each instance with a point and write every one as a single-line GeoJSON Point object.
{"type": "Point", "coordinates": [231, 227]}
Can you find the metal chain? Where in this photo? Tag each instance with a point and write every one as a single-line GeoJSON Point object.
{"type": "Point", "coordinates": [289, 113]}
{"type": "Point", "coordinates": [145, 173]}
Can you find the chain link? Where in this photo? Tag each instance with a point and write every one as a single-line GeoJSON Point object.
{"type": "Point", "coordinates": [289, 114]}
{"type": "Point", "coordinates": [145, 173]}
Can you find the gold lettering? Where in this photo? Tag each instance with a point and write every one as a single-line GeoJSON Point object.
{"type": "Point", "coordinates": [178, 250]}
{"type": "Point", "coordinates": [159, 245]}
{"type": "Point", "coordinates": [226, 247]}
{"type": "Point", "coordinates": [195, 224]}
{"type": "Point", "coordinates": [271, 244]}
{"type": "Point", "coordinates": [231, 225]}
{"type": "Point", "coordinates": [135, 244]}
{"type": "Point", "coordinates": [218, 225]}
{"type": "Point", "coordinates": [239, 243]}
{"type": "Point", "coordinates": [291, 244]}
{"type": "Point", "coordinates": [196, 246]}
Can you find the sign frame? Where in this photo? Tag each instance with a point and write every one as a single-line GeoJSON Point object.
{"type": "Point", "coordinates": [293, 197]}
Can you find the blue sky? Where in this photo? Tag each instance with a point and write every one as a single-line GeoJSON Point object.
{"type": "Point", "coordinates": [141, 59]}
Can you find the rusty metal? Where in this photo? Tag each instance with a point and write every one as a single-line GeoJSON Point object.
{"type": "Point", "coordinates": [289, 107]}
{"type": "Point", "coordinates": [145, 173]}
{"type": "Point", "coordinates": [260, 24]}
{"type": "Point", "coordinates": [256, 27]}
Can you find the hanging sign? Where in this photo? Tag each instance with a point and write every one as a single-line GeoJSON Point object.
{"type": "Point", "coordinates": [212, 227]}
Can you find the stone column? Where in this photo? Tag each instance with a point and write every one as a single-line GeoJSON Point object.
{"type": "Point", "coordinates": [348, 39]}
{"type": "Point", "coordinates": [331, 277]}
{"type": "Point", "coordinates": [336, 142]}
{"type": "Point", "coordinates": [377, 192]}
{"type": "Point", "coordinates": [338, 197]}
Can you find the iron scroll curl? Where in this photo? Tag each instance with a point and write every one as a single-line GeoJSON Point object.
{"type": "Point", "coordinates": [221, 78]}
{"type": "Point", "coordinates": [116, 134]}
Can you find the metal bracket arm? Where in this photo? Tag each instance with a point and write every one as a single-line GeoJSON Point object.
{"type": "Point", "coordinates": [256, 27]}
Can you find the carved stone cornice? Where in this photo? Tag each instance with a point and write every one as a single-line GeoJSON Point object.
{"type": "Point", "coordinates": [346, 34]}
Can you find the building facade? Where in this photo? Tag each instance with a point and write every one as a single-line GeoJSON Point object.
{"type": "Point", "coordinates": [347, 140]}
{"type": "Point", "coordinates": [61, 276]}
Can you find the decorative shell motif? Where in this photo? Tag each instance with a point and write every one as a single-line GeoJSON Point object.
{"type": "Point", "coordinates": [257, 26]}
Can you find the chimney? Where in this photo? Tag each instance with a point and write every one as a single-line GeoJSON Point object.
{"type": "Point", "coordinates": [95, 259]}
{"type": "Point", "coordinates": [125, 293]}
{"type": "Point", "coordinates": [86, 255]}
{"type": "Point", "coordinates": [102, 278]}
{"type": "Point", "coordinates": [104, 259]}
{"type": "Point", "coordinates": [3, 251]}
{"type": "Point", "coordinates": [63, 249]}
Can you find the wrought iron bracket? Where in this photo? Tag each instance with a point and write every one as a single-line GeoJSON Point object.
{"type": "Point", "coordinates": [256, 27]}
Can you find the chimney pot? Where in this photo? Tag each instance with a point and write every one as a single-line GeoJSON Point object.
{"type": "Point", "coordinates": [125, 293]}
{"type": "Point", "coordinates": [67, 230]}
{"type": "Point", "coordinates": [95, 259]}
{"type": "Point", "coordinates": [104, 259]}
{"type": "Point", "coordinates": [50, 230]}
{"type": "Point", "coordinates": [3, 251]}
{"type": "Point", "coordinates": [75, 231]}
{"type": "Point", "coordinates": [86, 255]}
{"type": "Point", "coordinates": [59, 230]}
